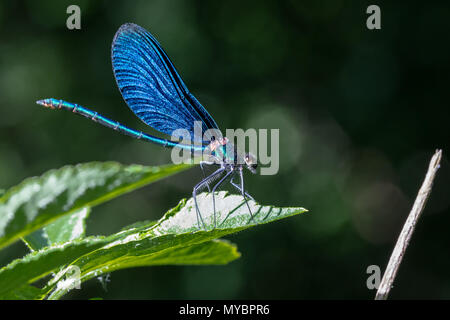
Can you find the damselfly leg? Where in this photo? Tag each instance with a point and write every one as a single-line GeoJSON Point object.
{"type": "Point", "coordinates": [202, 163]}
{"type": "Point", "coordinates": [214, 190]}
{"type": "Point", "coordinates": [239, 189]}
{"type": "Point", "coordinates": [229, 174]}
{"type": "Point", "coordinates": [243, 193]}
{"type": "Point", "coordinates": [200, 186]}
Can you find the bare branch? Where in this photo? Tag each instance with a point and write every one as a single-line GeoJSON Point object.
{"type": "Point", "coordinates": [408, 229]}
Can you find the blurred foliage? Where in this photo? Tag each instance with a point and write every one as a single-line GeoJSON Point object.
{"type": "Point", "coordinates": [360, 113]}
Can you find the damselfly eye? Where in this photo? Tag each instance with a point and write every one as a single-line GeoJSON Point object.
{"type": "Point", "coordinates": [251, 162]}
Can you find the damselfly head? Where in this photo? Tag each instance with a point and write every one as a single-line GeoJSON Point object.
{"type": "Point", "coordinates": [251, 162]}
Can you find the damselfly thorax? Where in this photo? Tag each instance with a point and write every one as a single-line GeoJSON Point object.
{"type": "Point", "coordinates": [223, 152]}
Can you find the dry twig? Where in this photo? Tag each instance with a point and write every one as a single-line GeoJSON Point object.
{"type": "Point", "coordinates": [408, 229]}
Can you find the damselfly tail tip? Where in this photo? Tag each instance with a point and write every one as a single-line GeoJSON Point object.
{"type": "Point", "coordinates": [44, 102]}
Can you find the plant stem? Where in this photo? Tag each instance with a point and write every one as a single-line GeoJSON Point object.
{"type": "Point", "coordinates": [408, 229]}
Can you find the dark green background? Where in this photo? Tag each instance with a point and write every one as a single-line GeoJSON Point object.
{"type": "Point", "coordinates": [360, 113]}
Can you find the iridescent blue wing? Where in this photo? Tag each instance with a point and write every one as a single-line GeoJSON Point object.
{"type": "Point", "coordinates": [151, 86]}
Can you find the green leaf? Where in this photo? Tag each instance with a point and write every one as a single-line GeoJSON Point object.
{"type": "Point", "coordinates": [175, 239]}
{"type": "Point", "coordinates": [178, 231]}
{"type": "Point", "coordinates": [26, 292]}
{"type": "Point", "coordinates": [66, 228]}
{"type": "Point", "coordinates": [232, 214]}
{"type": "Point", "coordinates": [214, 252]}
{"type": "Point", "coordinates": [39, 264]}
{"type": "Point", "coordinates": [39, 201]}
{"type": "Point", "coordinates": [140, 224]}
